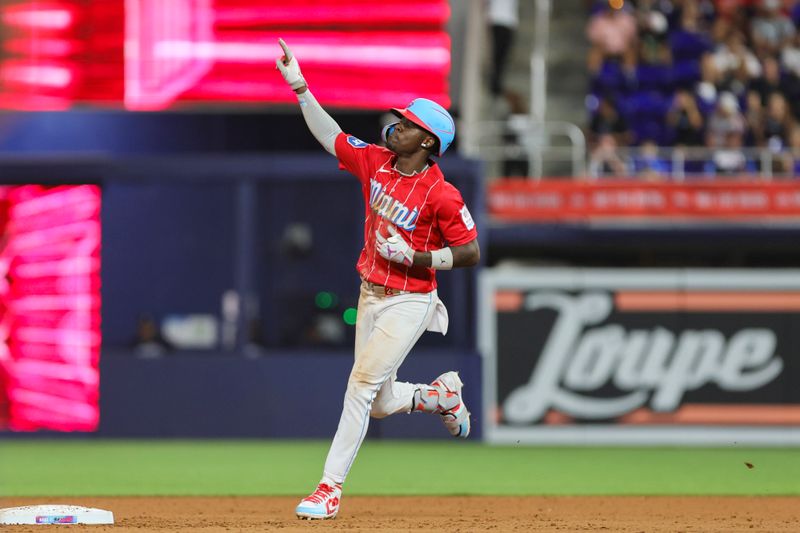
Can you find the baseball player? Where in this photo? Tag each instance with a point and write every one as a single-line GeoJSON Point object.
{"type": "Point", "coordinates": [415, 223]}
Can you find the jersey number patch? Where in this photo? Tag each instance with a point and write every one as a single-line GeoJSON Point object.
{"type": "Point", "coordinates": [466, 217]}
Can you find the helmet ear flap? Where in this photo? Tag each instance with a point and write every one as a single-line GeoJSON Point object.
{"type": "Point", "coordinates": [387, 130]}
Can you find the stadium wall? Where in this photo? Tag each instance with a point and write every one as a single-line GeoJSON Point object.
{"type": "Point", "coordinates": [294, 394]}
{"type": "Point", "coordinates": [180, 232]}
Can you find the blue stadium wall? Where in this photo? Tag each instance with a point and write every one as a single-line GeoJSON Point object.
{"type": "Point", "coordinates": [179, 231]}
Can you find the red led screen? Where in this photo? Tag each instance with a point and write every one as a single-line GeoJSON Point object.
{"type": "Point", "coordinates": [161, 54]}
{"type": "Point", "coordinates": [49, 307]}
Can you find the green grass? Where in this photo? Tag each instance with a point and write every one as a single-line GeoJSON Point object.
{"type": "Point", "coordinates": [99, 468]}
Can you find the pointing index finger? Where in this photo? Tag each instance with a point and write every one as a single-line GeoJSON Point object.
{"type": "Point", "coordinates": [286, 52]}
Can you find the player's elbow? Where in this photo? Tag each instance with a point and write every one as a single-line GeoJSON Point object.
{"type": "Point", "coordinates": [469, 255]}
{"type": "Point", "coordinates": [474, 257]}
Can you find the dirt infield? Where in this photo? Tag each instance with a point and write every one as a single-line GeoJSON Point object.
{"type": "Point", "coordinates": [473, 513]}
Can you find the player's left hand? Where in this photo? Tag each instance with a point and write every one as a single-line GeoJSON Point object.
{"type": "Point", "coordinates": [395, 248]}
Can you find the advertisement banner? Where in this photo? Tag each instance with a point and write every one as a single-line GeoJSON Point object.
{"type": "Point", "coordinates": [50, 307]}
{"type": "Point", "coordinates": [153, 55]}
{"type": "Point", "coordinates": [565, 201]}
{"type": "Point", "coordinates": [661, 356]}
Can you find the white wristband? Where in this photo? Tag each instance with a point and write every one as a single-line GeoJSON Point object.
{"type": "Point", "coordinates": [442, 259]}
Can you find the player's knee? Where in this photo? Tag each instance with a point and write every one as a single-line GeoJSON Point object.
{"type": "Point", "coordinates": [360, 388]}
{"type": "Point", "coordinates": [364, 380]}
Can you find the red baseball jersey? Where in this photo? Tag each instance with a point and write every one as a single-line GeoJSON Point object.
{"type": "Point", "coordinates": [428, 212]}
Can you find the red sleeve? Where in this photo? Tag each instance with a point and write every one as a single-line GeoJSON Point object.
{"type": "Point", "coordinates": [359, 158]}
{"type": "Point", "coordinates": [455, 220]}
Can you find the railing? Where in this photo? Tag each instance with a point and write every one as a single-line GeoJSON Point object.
{"type": "Point", "coordinates": [535, 149]}
{"type": "Point", "coordinates": [690, 163]}
{"type": "Point", "coordinates": [533, 144]}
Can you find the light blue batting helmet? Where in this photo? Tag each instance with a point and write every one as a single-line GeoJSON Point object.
{"type": "Point", "coordinates": [431, 117]}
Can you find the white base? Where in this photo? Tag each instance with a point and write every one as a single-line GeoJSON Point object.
{"type": "Point", "coordinates": [54, 514]}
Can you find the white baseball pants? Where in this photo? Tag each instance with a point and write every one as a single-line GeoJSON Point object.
{"type": "Point", "coordinates": [387, 328]}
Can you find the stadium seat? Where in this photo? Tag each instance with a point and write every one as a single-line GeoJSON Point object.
{"type": "Point", "coordinates": [610, 78]}
{"type": "Point", "coordinates": [649, 129]}
{"type": "Point", "coordinates": [649, 104]}
{"type": "Point", "coordinates": [686, 73]}
{"type": "Point", "coordinates": [654, 78]}
{"type": "Point", "coordinates": [688, 45]}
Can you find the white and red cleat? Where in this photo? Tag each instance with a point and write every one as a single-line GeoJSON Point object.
{"type": "Point", "coordinates": [322, 503]}
{"type": "Point", "coordinates": [455, 419]}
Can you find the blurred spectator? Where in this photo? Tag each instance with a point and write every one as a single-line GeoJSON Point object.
{"type": "Point", "coordinates": [794, 12]}
{"type": "Point", "coordinates": [503, 23]}
{"type": "Point", "coordinates": [690, 17]}
{"type": "Point", "coordinates": [503, 16]}
{"type": "Point", "coordinates": [721, 30]}
{"type": "Point", "coordinates": [735, 12]}
{"type": "Point", "coordinates": [149, 343]}
{"type": "Point", "coordinates": [729, 159]}
{"type": "Point", "coordinates": [771, 30]}
{"type": "Point", "coordinates": [790, 82]}
{"type": "Point", "coordinates": [608, 121]}
{"type": "Point", "coordinates": [770, 82]}
{"type": "Point", "coordinates": [754, 118]}
{"type": "Point", "coordinates": [653, 43]}
{"type": "Point", "coordinates": [648, 164]}
{"type": "Point", "coordinates": [706, 90]}
{"type": "Point", "coordinates": [613, 36]}
{"type": "Point", "coordinates": [707, 10]}
{"type": "Point", "coordinates": [604, 158]}
{"type": "Point", "coordinates": [790, 56]}
{"type": "Point", "coordinates": [518, 133]}
{"type": "Point", "coordinates": [777, 123]}
{"type": "Point", "coordinates": [735, 64]}
{"type": "Point", "coordinates": [726, 122]}
{"type": "Point", "coordinates": [794, 145]}
{"type": "Point", "coordinates": [778, 126]}
{"type": "Point", "coordinates": [685, 120]}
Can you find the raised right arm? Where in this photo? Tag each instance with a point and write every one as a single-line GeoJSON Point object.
{"type": "Point", "coordinates": [320, 123]}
